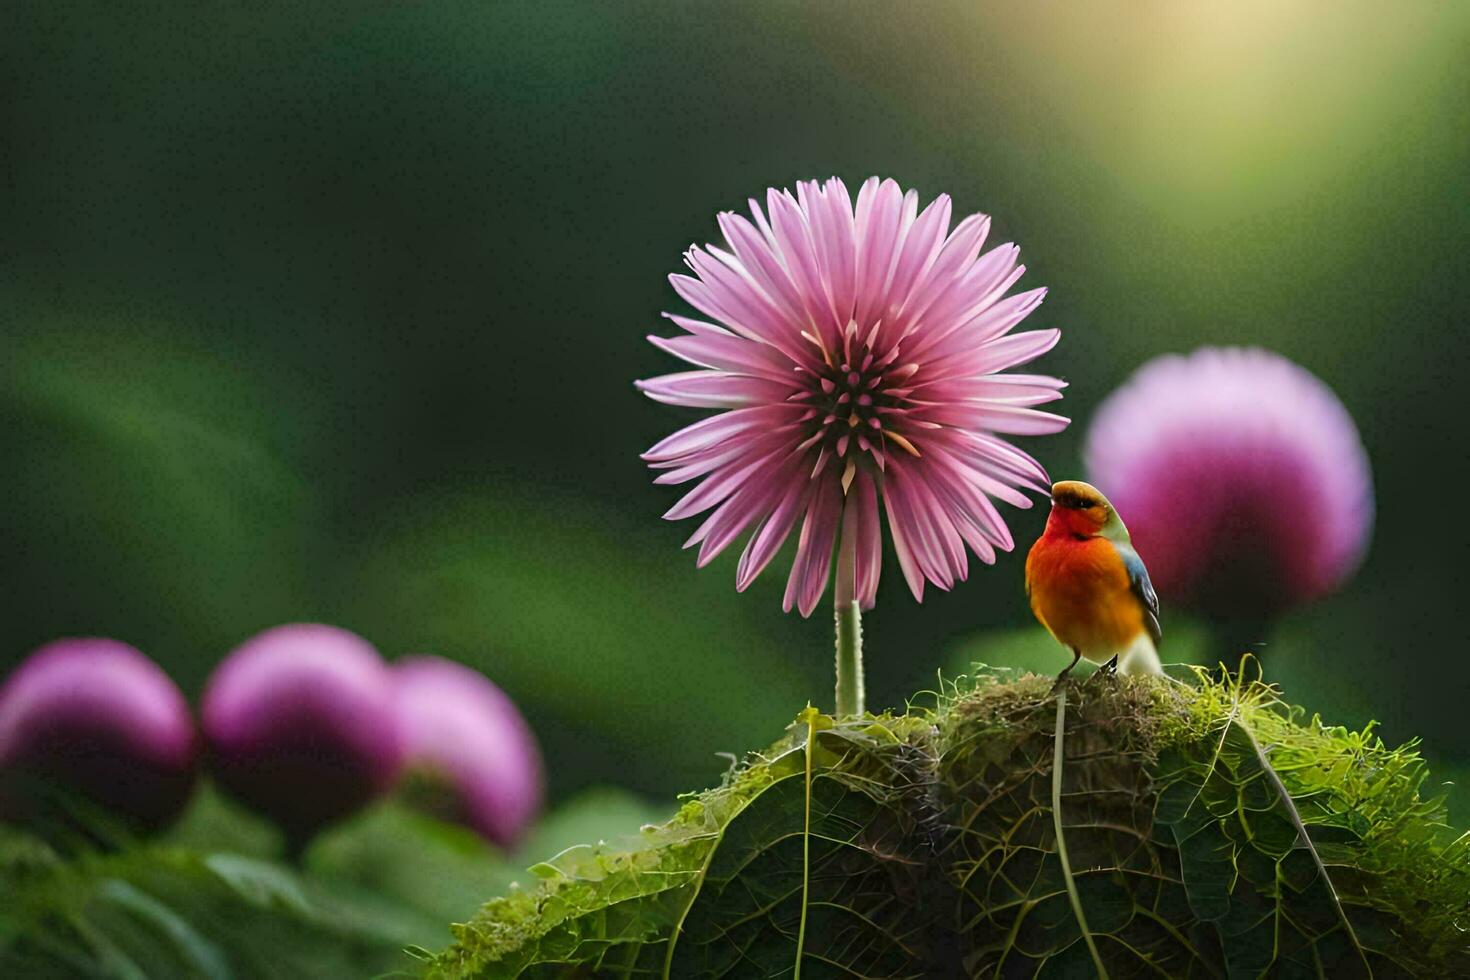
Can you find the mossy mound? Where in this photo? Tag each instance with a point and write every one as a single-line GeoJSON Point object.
{"type": "Point", "coordinates": [1127, 827]}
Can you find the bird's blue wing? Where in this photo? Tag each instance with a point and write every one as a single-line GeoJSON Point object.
{"type": "Point", "coordinates": [1144, 589]}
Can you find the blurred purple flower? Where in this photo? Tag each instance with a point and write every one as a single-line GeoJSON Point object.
{"type": "Point", "coordinates": [1241, 476]}
{"type": "Point", "coordinates": [96, 718]}
{"type": "Point", "coordinates": [300, 725]}
{"type": "Point", "coordinates": [463, 733]}
{"type": "Point", "coordinates": [857, 351]}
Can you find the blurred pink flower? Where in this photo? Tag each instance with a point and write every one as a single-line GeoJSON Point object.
{"type": "Point", "coordinates": [463, 732]}
{"type": "Point", "coordinates": [300, 725]}
{"type": "Point", "coordinates": [1241, 476]}
{"type": "Point", "coordinates": [855, 353]}
{"type": "Point", "coordinates": [95, 717]}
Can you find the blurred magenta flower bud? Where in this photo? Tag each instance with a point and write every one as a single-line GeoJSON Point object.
{"type": "Point", "coordinates": [94, 719]}
{"type": "Point", "coordinates": [1241, 477]}
{"type": "Point", "coordinates": [468, 745]}
{"type": "Point", "coordinates": [300, 726]}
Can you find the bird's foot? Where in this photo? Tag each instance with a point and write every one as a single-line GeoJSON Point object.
{"type": "Point", "coordinates": [1062, 677]}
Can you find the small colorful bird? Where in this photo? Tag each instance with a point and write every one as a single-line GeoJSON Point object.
{"type": "Point", "coordinates": [1088, 586]}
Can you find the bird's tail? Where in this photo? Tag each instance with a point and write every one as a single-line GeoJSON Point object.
{"type": "Point", "coordinates": [1141, 657]}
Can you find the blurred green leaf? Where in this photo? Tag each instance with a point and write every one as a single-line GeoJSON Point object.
{"type": "Point", "coordinates": [197, 954]}
{"type": "Point", "coordinates": [157, 911]}
{"type": "Point", "coordinates": [443, 872]}
{"type": "Point", "coordinates": [371, 888]}
{"type": "Point", "coordinates": [427, 873]}
{"type": "Point", "coordinates": [616, 651]}
{"type": "Point", "coordinates": [145, 475]}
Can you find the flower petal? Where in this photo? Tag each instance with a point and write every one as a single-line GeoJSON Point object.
{"type": "Point", "coordinates": [993, 417]}
{"type": "Point", "coordinates": [798, 252]}
{"type": "Point", "coordinates": [771, 533]}
{"type": "Point", "coordinates": [713, 389]}
{"type": "Point", "coordinates": [735, 354]}
{"type": "Point", "coordinates": [860, 518]}
{"type": "Point", "coordinates": [877, 226]}
{"type": "Point", "coordinates": [980, 288]}
{"type": "Point", "coordinates": [763, 263]}
{"type": "Point", "coordinates": [936, 548]}
{"type": "Point", "coordinates": [830, 212]}
{"type": "Point", "coordinates": [715, 488]}
{"type": "Point", "coordinates": [920, 250]}
{"type": "Point", "coordinates": [760, 318]}
{"type": "Point", "coordinates": [756, 497]}
{"type": "Point", "coordinates": [813, 564]}
{"type": "Point", "coordinates": [991, 357]}
{"type": "Point", "coordinates": [958, 254]}
{"type": "Point", "coordinates": [708, 432]}
{"type": "Point", "coordinates": [994, 321]}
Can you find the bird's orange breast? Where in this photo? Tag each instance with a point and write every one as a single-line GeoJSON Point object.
{"type": "Point", "coordinates": [1081, 593]}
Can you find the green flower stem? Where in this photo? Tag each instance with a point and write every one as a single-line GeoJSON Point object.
{"type": "Point", "coordinates": [849, 618]}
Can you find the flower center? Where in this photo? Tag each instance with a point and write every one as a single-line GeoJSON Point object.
{"type": "Point", "coordinates": [858, 400]}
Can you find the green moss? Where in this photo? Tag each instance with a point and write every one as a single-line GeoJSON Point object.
{"type": "Point", "coordinates": [1204, 828]}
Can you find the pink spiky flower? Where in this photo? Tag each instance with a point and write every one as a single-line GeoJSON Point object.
{"type": "Point", "coordinates": [856, 353]}
{"type": "Point", "coordinates": [1245, 482]}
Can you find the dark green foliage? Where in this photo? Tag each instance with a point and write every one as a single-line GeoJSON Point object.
{"type": "Point", "coordinates": [210, 900]}
{"type": "Point", "coordinates": [1203, 830]}
{"type": "Point", "coordinates": [164, 912]}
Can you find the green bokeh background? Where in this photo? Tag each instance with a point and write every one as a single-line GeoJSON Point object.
{"type": "Point", "coordinates": [331, 311]}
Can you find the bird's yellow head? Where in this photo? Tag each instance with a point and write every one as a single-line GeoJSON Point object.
{"type": "Point", "coordinates": [1079, 508]}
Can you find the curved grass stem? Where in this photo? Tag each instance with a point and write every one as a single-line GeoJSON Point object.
{"type": "Point", "coordinates": [1058, 757]}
